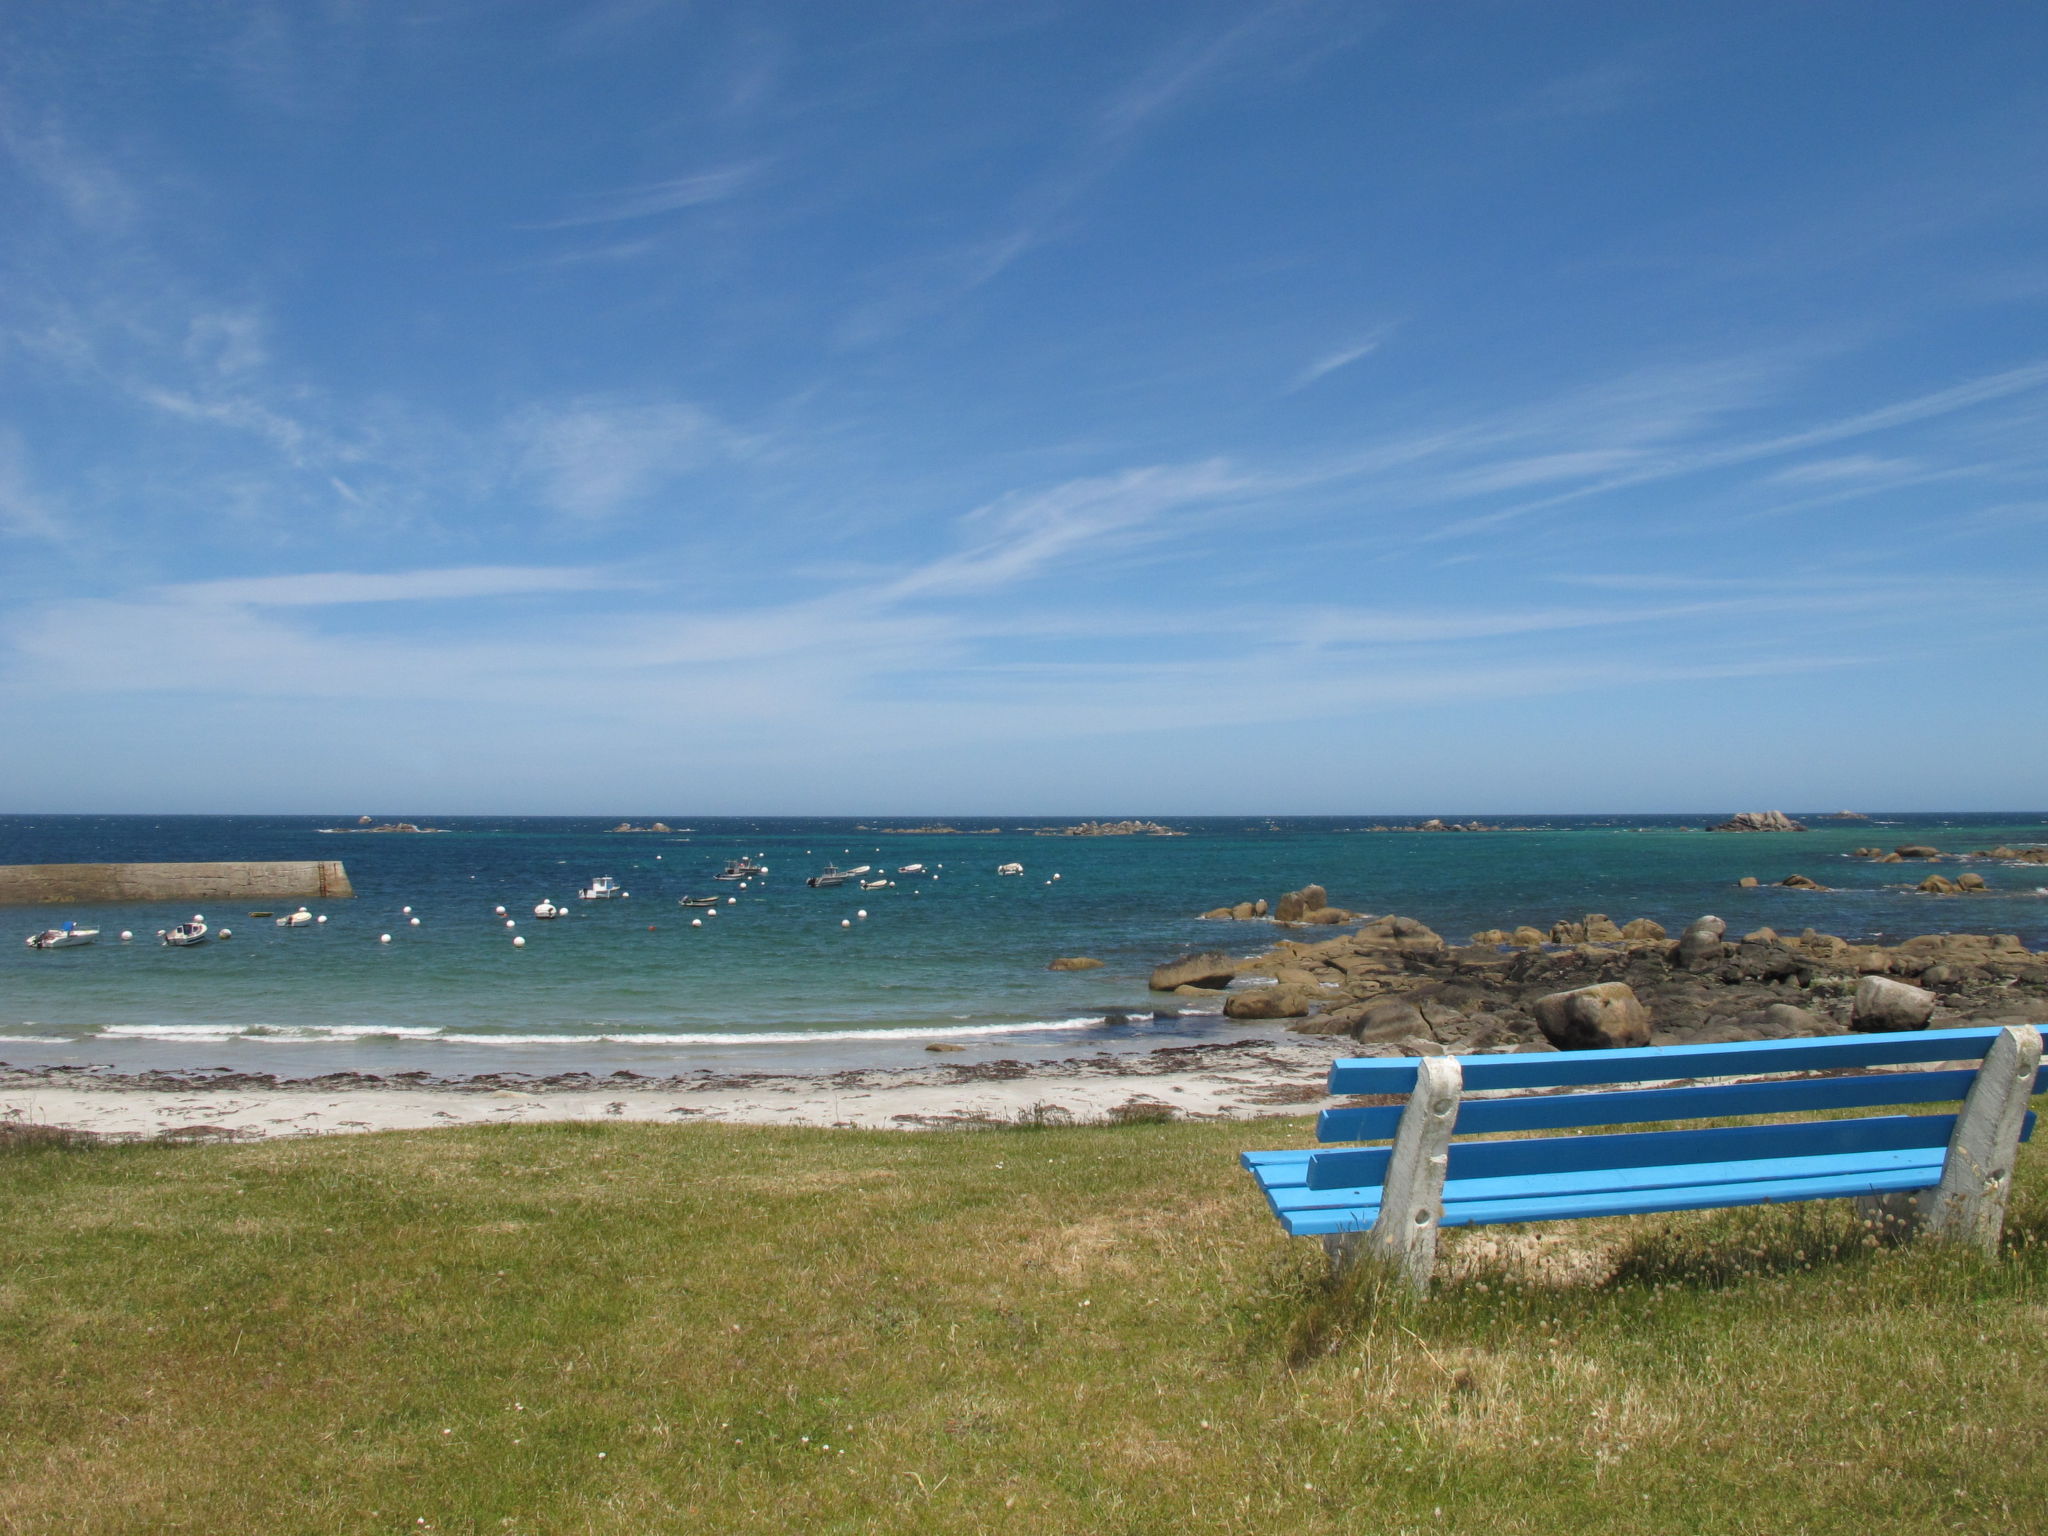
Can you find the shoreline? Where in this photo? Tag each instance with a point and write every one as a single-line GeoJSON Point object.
{"type": "Point", "coordinates": [1249, 1077]}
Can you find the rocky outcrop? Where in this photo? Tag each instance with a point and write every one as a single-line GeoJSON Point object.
{"type": "Point", "coordinates": [1916, 851]}
{"type": "Point", "coordinates": [1396, 988]}
{"type": "Point", "coordinates": [1604, 1016]}
{"type": "Point", "coordinates": [1075, 963]}
{"type": "Point", "coordinates": [1701, 942]}
{"type": "Point", "coordinates": [1205, 970]}
{"type": "Point", "coordinates": [1276, 1002]}
{"type": "Point", "coordinates": [1243, 912]}
{"type": "Point", "coordinates": [1802, 883]}
{"type": "Point", "coordinates": [1884, 1004]}
{"type": "Point", "coordinates": [1759, 821]}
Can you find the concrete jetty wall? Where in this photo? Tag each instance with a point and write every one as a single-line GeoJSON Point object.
{"type": "Point", "coordinates": [39, 884]}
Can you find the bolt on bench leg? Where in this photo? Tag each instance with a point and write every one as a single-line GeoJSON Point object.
{"type": "Point", "coordinates": [1412, 1199]}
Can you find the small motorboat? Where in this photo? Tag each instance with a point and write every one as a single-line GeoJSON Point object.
{"type": "Point", "coordinates": [548, 909]}
{"type": "Point", "coordinates": [876, 885]}
{"type": "Point", "coordinates": [1009, 869]}
{"type": "Point", "coordinates": [909, 869]}
{"type": "Point", "coordinates": [70, 936]}
{"type": "Point", "coordinates": [185, 935]}
{"type": "Point", "coordinates": [601, 888]}
{"type": "Point", "coordinates": [832, 875]}
{"type": "Point", "coordinates": [699, 901]}
{"type": "Point", "coordinates": [740, 869]}
{"type": "Point", "coordinates": [299, 919]}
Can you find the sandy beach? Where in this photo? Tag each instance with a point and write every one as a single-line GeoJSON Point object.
{"type": "Point", "coordinates": [1235, 1079]}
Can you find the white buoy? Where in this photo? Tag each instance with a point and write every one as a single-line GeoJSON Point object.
{"type": "Point", "coordinates": [126, 935]}
{"type": "Point", "coordinates": [519, 943]}
{"type": "Point", "coordinates": [226, 933]}
{"type": "Point", "coordinates": [696, 922]}
{"type": "Point", "coordinates": [383, 938]}
{"type": "Point", "coordinates": [499, 910]}
{"type": "Point", "coordinates": [321, 918]}
{"type": "Point", "coordinates": [846, 922]}
{"type": "Point", "coordinates": [198, 917]}
{"type": "Point", "coordinates": [711, 912]}
{"type": "Point", "coordinates": [510, 924]}
{"type": "Point", "coordinates": [733, 901]}
{"type": "Point", "coordinates": [415, 922]}
{"type": "Point", "coordinates": [406, 910]}
{"type": "Point", "coordinates": [1055, 877]}
{"type": "Point", "coordinates": [862, 912]}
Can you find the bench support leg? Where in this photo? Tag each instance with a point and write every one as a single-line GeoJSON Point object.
{"type": "Point", "coordinates": [1412, 1201]}
{"type": "Point", "coordinates": [1968, 1205]}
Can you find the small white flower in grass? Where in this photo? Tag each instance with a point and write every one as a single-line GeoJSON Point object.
{"type": "Point", "coordinates": [600, 1455]}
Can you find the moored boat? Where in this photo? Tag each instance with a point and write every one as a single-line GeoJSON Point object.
{"type": "Point", "coordinates": [1009, 869]}
{"type": "Point", "coordinates": [697, 901]}
{"type": "Point", "coordinates": [876, 885]}
{"type": "Point", "coordinates": [909, 869]}
{"type": "Point", "coordinates": [740, 869]}
{"type": "Point", "coordinates": [601, 888]}
{"type": "Point", "coordinates": [185, 935]}
{"type": "Point", "coordinates": [832, 875]}
{"type": "Point", "coordinates": [299, 919]}
{"type": "Point", "coordinates": [546, 909]}
{"type": "Point", "coordinates": [69, 936]}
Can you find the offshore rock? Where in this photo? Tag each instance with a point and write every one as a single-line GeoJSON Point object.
{"type": "Point", "coordinates": [1075, 963]}
{"type": "Point", "coordinates": [1281, 1002]}
{"type": "Point", "coordinates": [1759, 821]}
{"type": "Point", "coordinates": [1208, 970]}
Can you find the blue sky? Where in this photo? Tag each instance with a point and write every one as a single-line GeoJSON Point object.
{"type": "Point", "coordinates": [691, 408]}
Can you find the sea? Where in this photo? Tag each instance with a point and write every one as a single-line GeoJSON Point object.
{"type": "Point", "coordinates": [419, 971]}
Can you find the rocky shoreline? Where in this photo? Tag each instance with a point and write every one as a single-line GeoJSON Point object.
{"type": "Point", "coordinates": [1396, 987]}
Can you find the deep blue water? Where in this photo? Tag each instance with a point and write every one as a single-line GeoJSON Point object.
{"type": "Point", "coordinates": [959, 957]}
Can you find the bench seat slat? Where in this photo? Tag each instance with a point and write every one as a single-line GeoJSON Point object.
{"type": "Point", "coordinates": [1928, 1160]}
{"type": "Point", "coordinates": [1637, 1105]}
{"type": "Point", "coordinates": [1569, 1069]}
{"type": "Point", "coordinates": [1625, 1203]}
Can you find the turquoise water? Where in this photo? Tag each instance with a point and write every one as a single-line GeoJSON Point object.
{"type": "Point", "coordinates": [775, 979]}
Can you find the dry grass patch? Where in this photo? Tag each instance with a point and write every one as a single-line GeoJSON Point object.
{"type": "Point", "coordinates": [623, 1328]}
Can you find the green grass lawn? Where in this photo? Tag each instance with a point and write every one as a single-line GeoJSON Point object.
{"type": "Point", "coordinates": [626, 1328]}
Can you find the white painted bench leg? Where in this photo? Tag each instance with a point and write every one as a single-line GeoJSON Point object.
{"type": "Point", "coordinates": [1968, 1205]}
{"type": "Point", "coordinates": [1412, 1201]}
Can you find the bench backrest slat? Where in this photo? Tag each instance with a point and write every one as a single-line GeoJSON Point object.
{"type": "Point", "coordinates": [1362, 1167]}
{"type": "Point", "coordinates": [1572, 1069]}
{"type": "Point", "coordinates": [1637, 1106]}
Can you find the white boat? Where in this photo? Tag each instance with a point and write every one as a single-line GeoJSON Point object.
{"type": "Point", "coordinates": [548, 909]}
{"type": "Point", "coordinates": [601, 888]}
{"type": "Point", "coordinates": [740, 869]}
{"type": "Point", "coordinates": [1009, 869]}
{"type": "Point", "coordinates": [67, 937]}
{"type": "Point", "coordinates": [700, 901]}
{"type": "Point", "coordinates": [909, 869]}
{"type": "Point", "coordinates": [832, 875]}
{"type": "Point", "coordinates": [299, 919]}
{"type": "Point", "coordinates": [876, 885]}
{"type": "Point", "coordinates": [185, 935]}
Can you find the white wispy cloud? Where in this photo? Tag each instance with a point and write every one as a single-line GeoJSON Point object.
{"type": "Point", "coordinates": [1020, 536]}
{"type": "Point", "coordinates": [25, 511]}
{"type": "Point", "coordinates": [1330, 362]}
{"type": "Point", "coordinates": [323, 588]}
{"type": "Point", "coordinates": [660, 197]}
{"type": "Point", "coordinates": [592, 459]}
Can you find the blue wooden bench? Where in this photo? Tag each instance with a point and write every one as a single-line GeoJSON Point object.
{"type": "Point", "coordinates": [1945, 1174]}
